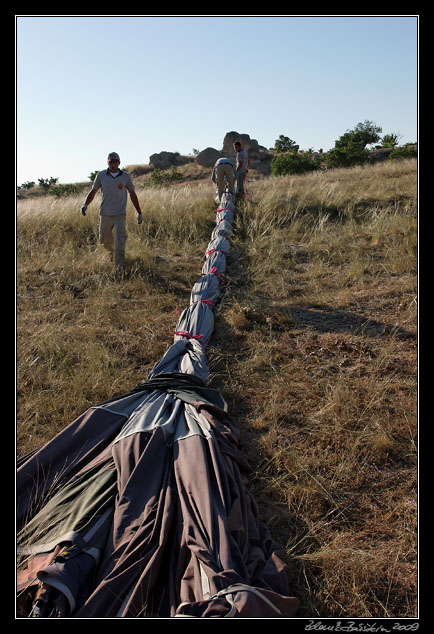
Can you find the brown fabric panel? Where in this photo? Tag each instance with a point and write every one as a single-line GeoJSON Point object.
{"type": "Point", "coordinates": [250, 605]}
{"type": "Point", "coordinates": [245, 604]}
{"type": "Point", "coordinates": [26, 576]}
{"type": "Point", "coordinates": [261, 557]}
{"type": "Point", "coordinates": [203, 517]}
{"type": "Point", "coordinates": [142, 523]}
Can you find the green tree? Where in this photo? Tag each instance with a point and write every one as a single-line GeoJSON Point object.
{"type": "Point", "coordinates": [390, 140]}
{"type": "Point", "coordinates": [285, 144]}
{"type": "Point", "coordinates": [350, 148]}
{"type": "Point", "coordinates": [363, 134]}
{"type": "Point", "coordinates": [92, 175]}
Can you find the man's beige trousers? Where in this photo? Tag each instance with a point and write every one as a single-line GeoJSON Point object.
{"type": "Point", "coordinates": [222, 170]}
{"type": "Point", "coordinates": [113, 235]}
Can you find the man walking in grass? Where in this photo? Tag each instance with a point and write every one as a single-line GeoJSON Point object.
{"type": "Point", "coordinates": [114, 184]}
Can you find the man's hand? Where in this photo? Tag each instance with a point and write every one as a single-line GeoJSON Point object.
{"type": "Point", "coordinates": [83, 209]}
{"type": "Point", "coordinates": [139, 219]}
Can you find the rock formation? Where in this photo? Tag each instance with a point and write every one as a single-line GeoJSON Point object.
{"type": "Point", "coordinates": [251, 146]}
{"type": "Point", "coordinates": [163, 160]}
{"type": "Point", "coordinates": [208, 157]}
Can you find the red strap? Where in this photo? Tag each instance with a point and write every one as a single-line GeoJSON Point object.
{"type": "Point", "coordinates": [184, 333]}
{"type": "Point", "coordinates": [213, 271]}
{"type": "Point", "coordinates": [214, 250]}
{"type": "Point", "coordinates": [203, 301]}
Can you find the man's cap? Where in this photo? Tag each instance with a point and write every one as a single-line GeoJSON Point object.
{"type": "Point", "coordinates": [114, 156]}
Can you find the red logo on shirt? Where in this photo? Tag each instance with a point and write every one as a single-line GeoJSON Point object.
{"type": "Point", "coordinates": [120, 185]}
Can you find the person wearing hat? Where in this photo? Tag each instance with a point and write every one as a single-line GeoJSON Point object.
{"type": "Point", "coordinates": [114, 184]}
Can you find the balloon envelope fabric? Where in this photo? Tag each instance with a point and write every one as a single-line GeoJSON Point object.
{"type": "Point", "coordinates": [141, 507]}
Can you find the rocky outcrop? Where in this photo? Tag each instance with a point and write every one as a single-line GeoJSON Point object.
{"type": "Point", "coordinates": [260, 157]}
{"type": "Point", "coordinates": [208, 157]}
{"type": "Point", "coordinates": [257, 153]}
{"type": "Point", "coordinates": [251, 146]}
{"type": "Point", "coordinates": [163, 160]}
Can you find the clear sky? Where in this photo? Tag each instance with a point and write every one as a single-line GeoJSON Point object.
{"type": "Point", "coordinates": [136, 85]}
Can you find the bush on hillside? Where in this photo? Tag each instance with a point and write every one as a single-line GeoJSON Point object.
{"type": "Point", "coordinates": [45, 183]}
{"type": "Point", "coordinates": [295, 163]}
{"type": "Point", "coordinates": [161, 177]}
{"type": "Point", "coordinates": [353, 153]}
{"type": "Point", "coordinates": [25, 186]}
{"type": "Point", "coordinates": [65, 190]}
{"type": "Point", "coordinates": [409, 150]}
{"type": "Point", "coordinates": [390, 140]}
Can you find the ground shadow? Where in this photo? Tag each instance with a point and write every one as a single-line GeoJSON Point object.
{"type": "Point", "coordinates": [323, 318]}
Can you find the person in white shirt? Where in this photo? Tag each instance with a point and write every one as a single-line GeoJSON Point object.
{"type": "Point", "coordinates": [114, 184]}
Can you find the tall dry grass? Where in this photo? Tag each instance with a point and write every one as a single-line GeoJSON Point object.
{"type": "Point", "coordinates": [314, 348]}
{"type": "Point", "coordinates": [81, 334]}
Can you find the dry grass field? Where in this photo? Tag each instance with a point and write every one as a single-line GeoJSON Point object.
{"type": "Point", "coordinates": [314, 348]}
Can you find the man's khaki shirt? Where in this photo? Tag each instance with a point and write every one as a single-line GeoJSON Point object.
{"type": "Point", "coordinates": [114, 192]}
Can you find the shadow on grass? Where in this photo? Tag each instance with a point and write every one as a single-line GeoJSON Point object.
{"type": "Point", "coordinates": [326, 319]}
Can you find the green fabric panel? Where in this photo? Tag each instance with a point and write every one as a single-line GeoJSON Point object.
{"type": "Point", "coordinates": [186, 387]}
{"type": "Point", "coordinates": [77, 504]}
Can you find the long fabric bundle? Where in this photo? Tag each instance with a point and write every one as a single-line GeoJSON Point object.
{"type": "Point", "coordinates": [141, 507]}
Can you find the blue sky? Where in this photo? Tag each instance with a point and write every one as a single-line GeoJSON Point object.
{"type": "Point", "coordinates": [89, 85]}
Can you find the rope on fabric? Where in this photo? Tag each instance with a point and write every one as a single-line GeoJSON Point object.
{"type": "Point", "coordinates": [185, 333]}
{"type": "Point", "coordinates": [227, 205]}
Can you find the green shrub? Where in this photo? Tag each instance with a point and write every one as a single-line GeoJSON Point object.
{"type": "Point", "coordinates": [353, 153]}
{"type": "Point", "coordinates": [45, 183]}
{"type": "Point", "coordinates": [25, 186]}
{"type": "Point", "coordinates": [161, 177]}
{"type": "Point", "coordinates": [390, 140]}
{"type": "Point", "coordinates": [295, 163]}
{"type": "Point", "coordinates": [409, 150]}
{"type": "Point", "coordinates": [64, 190]}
